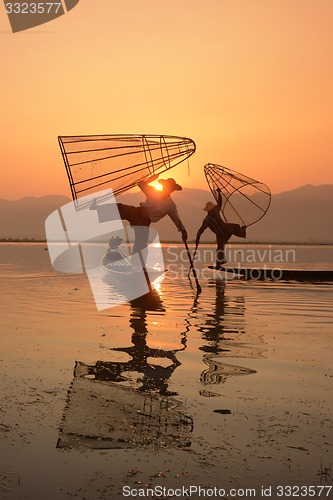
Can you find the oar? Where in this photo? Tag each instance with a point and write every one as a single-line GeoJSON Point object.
{"type": "Point", "coordinates": [193, 260]}
{"type": "Point", "coordinates": [192, 267]}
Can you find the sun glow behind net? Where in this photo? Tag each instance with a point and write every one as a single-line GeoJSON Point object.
{"type": "Point", "coordinates": [156, 185]}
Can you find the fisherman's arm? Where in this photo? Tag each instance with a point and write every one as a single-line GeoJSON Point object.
{"type": "Point", "coordinates": [144, 185]}
{"type": "Point", "coordinates": [219, 198]}
{"type": "Point", "coordinates": [201, 229]}
{"type": "Point", "coordinates": [174, 216]}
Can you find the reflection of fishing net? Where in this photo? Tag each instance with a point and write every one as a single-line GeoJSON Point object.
{"type": "Point", "coordinates": [109, 415]}
{"type": "Point", "coordinates": [244, 200]}
{"type": "Point", "coordinates": [119, 162]}
{"type": "Point", "coordinates": [218, 373]}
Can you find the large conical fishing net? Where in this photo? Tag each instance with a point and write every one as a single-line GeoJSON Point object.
{"type": "Point", "coordinates": [119, 162]}
{"type": "Point", "coordinates": [244, 200]}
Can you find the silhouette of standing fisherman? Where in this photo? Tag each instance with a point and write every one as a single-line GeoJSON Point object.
{"type": "Point", "coordinates": [223, 230]}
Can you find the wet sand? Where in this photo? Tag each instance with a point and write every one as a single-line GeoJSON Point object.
{"type": "Point", "coordinates": [229, 390]}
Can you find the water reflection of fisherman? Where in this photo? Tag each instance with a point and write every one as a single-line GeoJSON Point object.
{"type": "Point", "coordinates": [217, 324]}
{"type": "Point", "coordinates": [154, 376]}
{"type": "Point", "coordinates": [214, 327]}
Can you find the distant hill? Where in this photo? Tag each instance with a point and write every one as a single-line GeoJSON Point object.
{"type": "Point", "coordinates": [25, 218]}
{"type": "Point", "coordinates": [303, 215]}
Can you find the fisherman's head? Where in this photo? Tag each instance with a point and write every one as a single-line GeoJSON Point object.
{"type": "Point", "coordinates": [209, 206]}
{"type": "Point", "coordinates": [170, 185]}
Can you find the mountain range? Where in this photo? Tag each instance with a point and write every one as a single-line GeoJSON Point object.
{"type": "Point", "coordinates": [302, 215]}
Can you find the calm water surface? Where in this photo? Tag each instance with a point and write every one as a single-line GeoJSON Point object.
{"type": "Point", "coordinates": [240, 373]}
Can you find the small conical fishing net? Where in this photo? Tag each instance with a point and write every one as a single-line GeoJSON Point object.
{"type": "Point", "coordinates": [244, 200]}
{"type": "Point", "coordinates": [119, 162]}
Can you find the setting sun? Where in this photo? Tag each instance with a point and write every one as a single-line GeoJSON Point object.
{"type": "Point", "coordinates": [157, 185]}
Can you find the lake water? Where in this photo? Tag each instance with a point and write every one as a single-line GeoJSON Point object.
{"type": "Point", "coordinates": [230, 389]}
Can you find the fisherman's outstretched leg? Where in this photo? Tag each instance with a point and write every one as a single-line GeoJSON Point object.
{"type": "Point", "coordinates": [115, 211]}
{"type": "Point", "coordinates": [236, 229]}
{"type": "Point", "coordinates": [106, 212]}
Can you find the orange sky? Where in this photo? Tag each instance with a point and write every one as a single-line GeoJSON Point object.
{"type": "Point", "coordinates": [250, 81]}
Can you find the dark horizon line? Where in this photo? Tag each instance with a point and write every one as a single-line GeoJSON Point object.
{"type": "Point", "coordinates": [184, 188]}
{"type": "Point", "coordinates": [190, 242]}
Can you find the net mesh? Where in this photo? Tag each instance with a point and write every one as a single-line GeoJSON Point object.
{"type": "Point", "coordinates": [97, 162]}
{"type": "Point", "coordinates": [244, 200]}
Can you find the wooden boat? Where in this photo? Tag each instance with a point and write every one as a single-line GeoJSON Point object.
{"type": "Point", "coordinates": [280, 274]}
{"type": "Point", "coordinates": [122, 271]}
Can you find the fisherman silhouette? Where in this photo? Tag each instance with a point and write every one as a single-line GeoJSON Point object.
{"type": "Point", "coordinates": [223, 230]}
{"type": "Point", "coordinates": [157, 205]}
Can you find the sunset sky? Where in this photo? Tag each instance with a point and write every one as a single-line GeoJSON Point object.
{"type": "Point", "coordinates": [250, 81]}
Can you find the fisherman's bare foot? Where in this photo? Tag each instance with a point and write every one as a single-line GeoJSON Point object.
{"type": "Point", "coordinates": [219, 265]}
